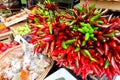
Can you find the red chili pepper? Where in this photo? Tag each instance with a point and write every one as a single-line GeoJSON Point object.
{"type": "Point", "coordinates": [47, 47]}
{"type": "Point", "coordinates": [75, 56]}
{"type": "Point", "coordinates": [106, 48]}
{"type": "Point", "coordinates": [67, 16]}
{"type": "Point", "coordinates": [70, 48]}
{"type": "Point", "coordinates": [63, 26]}
{"type": "Point", "coordinates": [58, 42]}
{"type": "Point", "coordinates": [109, 56]}
{"type": "Point", "coordinates": [104, 19]}
{"type": "Point", "coordinates": [84, 73]}
{"type": "Point", "coordinates": [113, 63]}
{"type": "Point", "coordinates": [92, 51]}
{"type": "Point", "coordinates": [112, 44]}
{"type": "Point", "coordinates": [112, 70]}
{"type": "Point", "coordinates": [116, 39]}
{"type": "Point", "coordinates": [69, 57]}
{"type": "Point", "coordinates": [118, 48]}
{"type": "Point", "coordinates": [99, 69]}
{"type": "Point", "coordinates": [108, 73]}
{"type": "Point", "coordinates": [55, 52]}
{"type": "Point", "coordinates": [39, 50]}
{"type": "Point", "coordinates": [62, 52]}
{"type": "Point", "coordinates": [98, 43]}
{"type": "Point", "coordinates": [78, 54]}
{"type": "Point", "coordinates": [96, 71]}
{"type": "Point", "coordinates": [48, 38]}
{"type": "Point", "coordinates": [90, 42]}
{"type": "Point", "coordinates": [31, 17]}
{"type": "Point", "coordinates": [116, 54]}
{"type": "Point", "coordinates": [52, 46]}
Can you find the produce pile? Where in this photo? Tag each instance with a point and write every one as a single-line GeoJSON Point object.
{"type": "Point", "coordinates": [23, 30]}
{"type": "Point", "coordinates": [5, 46]}
{"type": "Point", "coordinates": [4, 30]}
{"type": "Point", "coordinates": [84, 39]}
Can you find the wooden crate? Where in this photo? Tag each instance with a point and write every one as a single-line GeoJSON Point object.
{"type": "Point", "coordinates": [110, 4]}
{"type": "Point", "coordinates": [6, 37]}
{"type": "Point", "coordinates": [15, 26]}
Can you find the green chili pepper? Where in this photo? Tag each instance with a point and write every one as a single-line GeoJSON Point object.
{"type": "Point", "coordinates": [85, 29]}
{"type": "Point", "coordinates": [95, 17]}
{"type": "Point", "coordinates": [39, 26]}
{"type": "Point", "coordinates": [82, 24]}
{"type": "Point", "coordinates": [89, 26]}
{"type": "Point", "coordinates": [75, 27]}
{"type": "Point", "coordinates": [91, 31]}
{"type": "Point", "coordinates": [78, 45]}
{"type": "Point", "coordinates": [107, 63]}
{"type": "Point", "coordinates": [110, 35]}
{"type": "Point", "coordinates": [100, 22]}
{"type": "Point", "coordinates": [77, 49]}
{"type": "Point", "coordinates": [95, 28]}
{"type": "Point", "coordinates": [81, 30]}
{"type": "Point", "coordinates": [36, 19]}
{"type": "Point", "coordinates": [79, 8]}
{"type": "Point", "coordinates": [46, 13]}
{"type": "Point", "coordinates": [84, 43]}
{"type": "Point", "coordinates": [116, 31]}
{"type": "Point", "coordinates": [96, 11]}
{"type": "Point", "coordinates": [64, 45]}
{"type": "Point", "coordinates": [60, 56]}
{"type": "Point", "coordinates": [83, 9]}
{"type": "Point", "coordinates": [50, 28]}
{"type": "Point", "coordinates": [89, 55]}
{"type": "Point", "coordinates": [48, 20]}
{"type": "Point", "coordinates": [94, 38]}
{"type": "Point", "coordinates": [92, 7]}
{"type": "Point", "coordinates": [87, 35]}
{"type": "Point", "coordinates": [70, 41]}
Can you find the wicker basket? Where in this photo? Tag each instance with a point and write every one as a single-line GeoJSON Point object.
{"type": "Point", "coordinates": [9, 54]}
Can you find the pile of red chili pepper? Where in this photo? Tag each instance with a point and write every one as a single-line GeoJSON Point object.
{"type": "Point", "coordinates": [5, 46]}
{"type": "Point", "coordinates": [84, 39]}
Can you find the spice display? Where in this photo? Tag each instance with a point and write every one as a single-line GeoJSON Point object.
{"type": "Point", "coordinates": [83, 39]}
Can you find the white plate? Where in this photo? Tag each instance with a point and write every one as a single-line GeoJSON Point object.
{"type": "Point", "coordinates": [117, 78]}
{"type": "Point", "coordinates": [61, 73]}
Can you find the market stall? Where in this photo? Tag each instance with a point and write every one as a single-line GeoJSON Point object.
{"type": "Point", "coordinates": [50, 42]}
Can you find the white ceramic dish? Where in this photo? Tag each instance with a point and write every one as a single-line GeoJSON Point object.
{"type": "Point", "coordinates": [117, 78]}
{"type": "Point", "coordinates": [60, 73]}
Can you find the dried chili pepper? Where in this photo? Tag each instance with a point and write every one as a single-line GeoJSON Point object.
{"type": "Point", "coordinates": [116, 54]}
{"type": "Point", "coordinates": [106, 48]}
{"type": "Point", "coordinates": [48, 38]}
{"type": "Point", "coordinates": [107, 71]}
{"type": "Point", "coordinates": [113, 63]}
{"type": "Point", "coordinates": [112, 44]}
{"type": "Point", "coordinates": [52, 46]}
